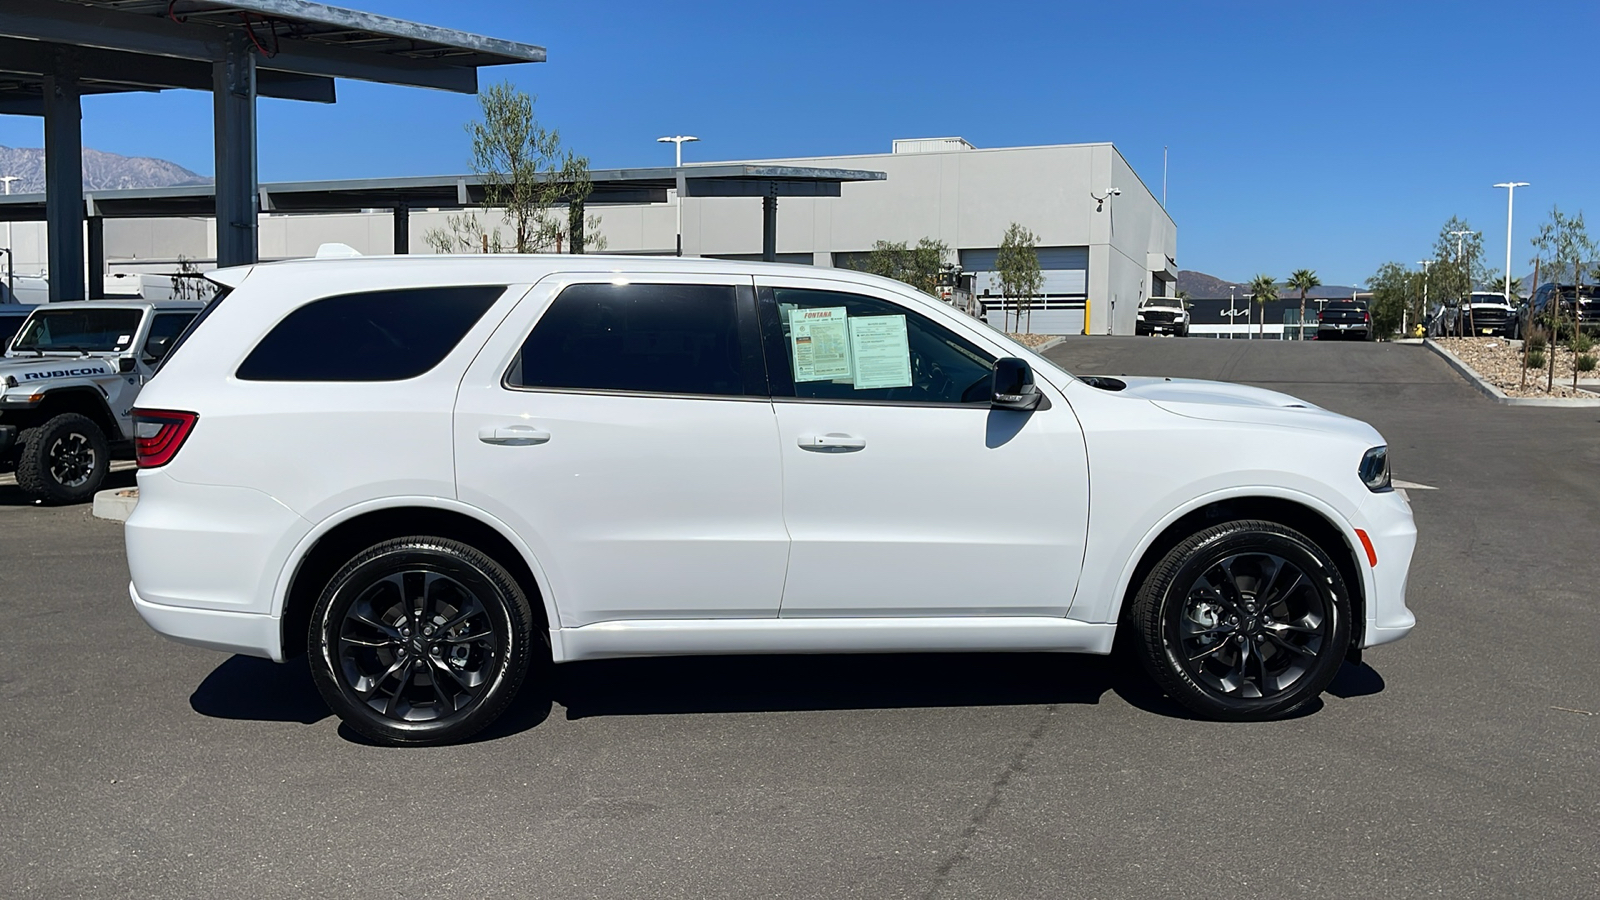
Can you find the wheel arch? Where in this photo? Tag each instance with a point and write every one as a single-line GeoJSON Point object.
{"type": "Point", "coordinates": [341, 536]}
{"type": "Point", "coordinates": [83, 399]}
{"type": "Point", "coordinates": [1302, 513]}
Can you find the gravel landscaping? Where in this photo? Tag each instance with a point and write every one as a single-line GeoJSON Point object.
{"type": "Point", "coordinates": [1499, 362]}
{"type": "Point", "coordinates": [1033, 340]}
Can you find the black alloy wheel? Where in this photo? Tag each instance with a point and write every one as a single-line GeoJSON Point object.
{"type": "Point", "coordinates": [65, 460]}
{"type": "Point", "coordinates": [421, 640]}
{"type": "Point", "coordinates": [1247, 620]}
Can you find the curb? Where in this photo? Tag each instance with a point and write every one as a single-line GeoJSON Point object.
{"type": "Point", "coordinates": [1059, 339]}
{"type": "Point", "coordinates": [116, 504]}
{"type": "Point", "coordinates": [1499, 396]}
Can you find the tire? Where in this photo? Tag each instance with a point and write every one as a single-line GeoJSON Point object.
{"type": "Point", "coordinates": [65, 460]}
{"type": "Point", "coordinates": [408, 611]}
{"type": "Point", "coordinates": [1210, 644]}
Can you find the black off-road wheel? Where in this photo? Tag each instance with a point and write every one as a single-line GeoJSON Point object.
{"type": "Point", "coordinates": [65, 460]}
{"type": "Point", "coordinates": [421, 640]}
{"type": "Point", "coordinates": [1244, 621]}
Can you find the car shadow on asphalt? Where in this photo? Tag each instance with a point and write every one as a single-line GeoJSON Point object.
{"type": "Point", "coordinates": [11, 495]}
{"type": "Point", "coordinates": [248, 688]}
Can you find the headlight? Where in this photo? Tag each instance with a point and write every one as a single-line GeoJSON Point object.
{"type": "Point", "coordinates": [1375, 470]}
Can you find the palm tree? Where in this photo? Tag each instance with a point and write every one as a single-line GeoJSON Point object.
{"type": "Point", "coordinates": [1303, 280]}
{"type": "Point", "coordinates": [1263, 289]}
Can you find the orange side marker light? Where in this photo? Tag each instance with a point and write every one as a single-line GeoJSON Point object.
{"type": "Point", "coordinates": [1366, 542]}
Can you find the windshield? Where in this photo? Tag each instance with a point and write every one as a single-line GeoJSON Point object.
{"type": "Point", "coordinates": [1169, 302]}
{"type": "Point", "coordinates": [1490, 299]}
{"type": "Point", "coordinates": [79, 330]}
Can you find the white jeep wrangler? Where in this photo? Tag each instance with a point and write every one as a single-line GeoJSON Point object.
{"type": "Point", "coordinates": [68, 382]}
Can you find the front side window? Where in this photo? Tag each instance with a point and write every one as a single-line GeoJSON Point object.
{"type": "Point", "coordinates": [164, 331]}
{"type": "Point", "coordinates": [372, 336]}
{"type": "Point", "coordinates": [637, 338]}
{"type": "Point", "coordinates": [829, 345]}
{"type": "Point", "coordinates": [79, 330]}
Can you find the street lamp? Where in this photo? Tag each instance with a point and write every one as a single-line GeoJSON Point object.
{"type": "Point", "coordinates": [1459, 236]}
{"type": "Point", "coordinates": [678, 140]}
{"type": "Point", "coordinates": [1425, 263]}
{"type": "Point", "coordinates": [1511, 191]}
{"type": "Point", "coordinates": [10, 260]}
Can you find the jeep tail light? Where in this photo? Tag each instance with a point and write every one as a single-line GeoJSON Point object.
{"type": "Point", "coordinates": [1366, 316]}
{"type": "Point", "coordinates": [159, 433]}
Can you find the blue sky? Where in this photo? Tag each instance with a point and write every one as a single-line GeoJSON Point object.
{"type": "Point", "coordinates": [1333, 136]}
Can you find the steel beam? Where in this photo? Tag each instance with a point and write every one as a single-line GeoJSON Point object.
{"type": "Point", "coordinates": [769, 228]}
{"type": "Point", "coordinates": [234, 105]}
{"type": "Point", "coordinates": [90, 26]}
{"type": "Point", "coordinates": [402, 229]}
{"type": "Point", "coordinates": [133, 71]}
{"type": "Point", "coordinates": [758, 187]}
{"type": "Point", "coordinates": [63, 182]}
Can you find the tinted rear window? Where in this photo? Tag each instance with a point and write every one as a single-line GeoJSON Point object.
{"type": "Point", "coordinates": [372, 336]}
{"type": "Point", "coordinates": [640, 338]}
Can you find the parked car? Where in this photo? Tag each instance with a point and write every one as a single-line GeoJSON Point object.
{"type": "Point", "coordinates": [1491, 313]}
{"type": "Point", "coordinates": [428, 473]}
{"type": "Point", "coordinates": [68, 383]}
{"type": "Point", "coordinates": [1163, 315]}
{"type": "Point", "coordinates": [1344, 319]}
{"type": "Point", "coordinates": [1579, 300]}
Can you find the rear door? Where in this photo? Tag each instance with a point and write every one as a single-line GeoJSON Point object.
{"type": "Point", "coordinates": [622, 427]}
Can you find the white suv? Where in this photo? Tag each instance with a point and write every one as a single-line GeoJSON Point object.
{"type": "Point", "coordinates": [430, 473]}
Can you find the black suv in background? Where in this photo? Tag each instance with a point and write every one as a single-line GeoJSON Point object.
{"type": "Point", "coordinates": [1342, 319]}
{"type": "Point", "coordinates": [1583, 299]}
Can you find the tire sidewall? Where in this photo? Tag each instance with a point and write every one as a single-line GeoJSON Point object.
{"type": "Point", "coordinates": [33, 461]}
{"type": "Point", "coordinates": [1212, 546]}
{"type": "Point", "coordinates": [493, 587]}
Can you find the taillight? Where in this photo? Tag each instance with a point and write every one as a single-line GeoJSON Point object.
{"type": "Point", "coordinates": [159, 433]}
{"type": "Point", "coordinates": [1319, 317]}
{"type": "Point", "coordinates": [1366, 316]}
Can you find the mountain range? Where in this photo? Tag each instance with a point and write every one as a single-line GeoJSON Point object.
{"type": "Point", "coordinates": [1200, 286]}
{"type": "Point", "coordinates": [101, 171]}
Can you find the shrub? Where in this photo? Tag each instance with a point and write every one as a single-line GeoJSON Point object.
{"type": "Point", "coordinates": [1585, 362]}
{"type": "Point", "coordinates": [1582, 343]}
{"type": "Point", "coordinates": [1535, 359]}
{"type": "Point", "coordinates": [1536, 342]}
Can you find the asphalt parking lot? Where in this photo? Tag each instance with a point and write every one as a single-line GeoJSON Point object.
{"type": "Point", "coordinates": [1460, 762]}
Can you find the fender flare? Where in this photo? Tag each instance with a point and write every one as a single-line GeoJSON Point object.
{"type": "Point", "coordinates": [1338, 520]}
{"type": "Point", "coordinates": [291, 565]}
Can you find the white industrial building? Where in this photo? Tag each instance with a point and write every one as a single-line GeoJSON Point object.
{"type": "Point", "coordinates": [1105, 241]}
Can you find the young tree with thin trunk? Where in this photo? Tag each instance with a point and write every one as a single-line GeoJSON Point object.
{"type": "Point", "coordinates": [1564, 241]}
{"type": "Point", "coordinates": [917, 266]}
{"type": "Point", "coordinates": [526, 176]}
{"type": "Point", "coordinates": [1303, 280]}
{"type": "Point", "coordinates": [1263, 290]}
{"type": "Point", "coordinates": [1017, 264]}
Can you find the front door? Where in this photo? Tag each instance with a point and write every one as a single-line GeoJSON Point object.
{"type": "Point", "coordinates": [623, 429]}
{"type": "Point", "coordinates": [904, 493]}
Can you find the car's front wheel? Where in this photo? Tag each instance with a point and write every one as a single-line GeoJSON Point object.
{"type": "Point", "coordinates": [65, 460]}
{"type": "Point", "coordinates": [421, 640]}
{"type": "Point", "coordinates": [1247, 620]}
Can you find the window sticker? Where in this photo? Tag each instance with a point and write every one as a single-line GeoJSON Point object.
{"type": "Point", "coordinates": [123, 339]}
{"type": "Point", "coordinates": [881, 352]}
{"type": "Point", "coordinates": [819, 344]}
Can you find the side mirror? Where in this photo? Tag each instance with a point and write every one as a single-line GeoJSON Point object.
{"type": "Point", "coordinates": [156, 348]}
{"type": "Point", "coordinates": [125, 364]}
{"type": "Point", "coordinates": [1013, 386]}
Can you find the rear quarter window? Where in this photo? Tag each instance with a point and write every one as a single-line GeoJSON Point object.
{"type": "Point", "coordinates": [371, 336]}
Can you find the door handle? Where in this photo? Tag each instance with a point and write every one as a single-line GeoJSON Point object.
{"type": "Point", "coordinates": [513, 435]}
{"type": "Point", "coordinates": [832, 442]}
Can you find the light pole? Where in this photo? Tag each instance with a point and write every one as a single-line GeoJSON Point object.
{"type": "Point", "coordinates": [1459, 236]}
{"type": "Point", "coordinates": [10, 258]}
{"type": "Point", "coordinates": [1425, 263]}
{"type": "Point", "coordinates": [1231, 289]}
{"type": "Point", "coordinates": [678, 140]}
{"type": "Point", "coordinates": [1511, 191]}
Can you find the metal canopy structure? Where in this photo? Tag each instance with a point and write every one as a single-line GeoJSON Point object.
{"type": "Point", "coordinates": [52, 52]}
{"type": "Point", "coordinates": [608, 186]}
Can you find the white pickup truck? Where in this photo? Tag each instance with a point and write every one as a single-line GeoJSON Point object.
{"type": "Point", "coordinates": [68, 382]}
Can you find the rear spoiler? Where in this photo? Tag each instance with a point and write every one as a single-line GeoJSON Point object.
{"type": "Point", "coordinates": [230, 277]}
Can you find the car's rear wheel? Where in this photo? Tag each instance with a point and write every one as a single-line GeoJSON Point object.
{"type": "Point", "coordinates": [1247, 620]}
{"type": "Point", "coordinates": [421, 640]}
{"type": "Point", "coordinates": [65, 460]}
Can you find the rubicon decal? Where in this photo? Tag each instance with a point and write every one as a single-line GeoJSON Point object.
{"type": "Point", "coordinates": [61, 373]}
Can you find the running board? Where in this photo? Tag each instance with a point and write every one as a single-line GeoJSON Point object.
{"type": "Point", "coordinates": [715, 637]}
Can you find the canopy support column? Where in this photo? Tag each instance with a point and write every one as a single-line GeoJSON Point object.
{"type": "Point", "coordinates": [769, 228]}
{"type": "Point", "coordinates": [233, 88]}
{"type": "Point", "coordinates": [63, 181]}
